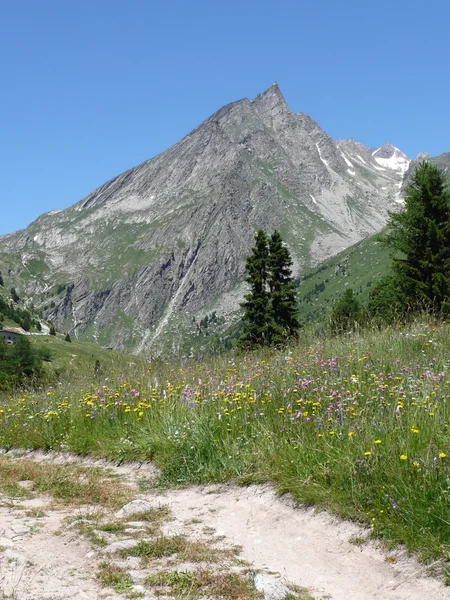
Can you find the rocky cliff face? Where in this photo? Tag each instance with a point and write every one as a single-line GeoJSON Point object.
{"type": "Point", "coordinates": [165, 242]}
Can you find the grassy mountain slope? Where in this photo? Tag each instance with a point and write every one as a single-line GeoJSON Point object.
{"type": "Point", "coordinates": [358, 268]}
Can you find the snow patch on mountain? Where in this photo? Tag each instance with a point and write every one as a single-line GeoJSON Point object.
{"type": "Point", "coordinates": [395, 163]}
{"type": "Point", "coordinates": [390, 157]}
{"type": "Point", "coordinates": [349, 164]}
{"type": "Point", "coordinates": [320, 156]}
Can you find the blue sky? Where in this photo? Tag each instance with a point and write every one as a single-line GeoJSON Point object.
{"type": "Point", "coordinates": [91, 88]}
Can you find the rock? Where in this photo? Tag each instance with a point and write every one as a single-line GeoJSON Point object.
{"type": "Point", "coordinates": [131, 530]}
{"type": "Point", "coordinates": [138, 576]}
{"type": "Point", "coordinates": [26, 484]}
{"type": "Point", "coordinates": [132, 562]}
{"type": "Point", "coordinates": [120, 545]}
{"type": "Point", "coordinates": [135, 507]}
{"type": "Point", "coordinates": [19, 529]}
{"type": "Point", "coordinates": [271, 586]}
{"type": "Point", "coordinates": [138, 589]}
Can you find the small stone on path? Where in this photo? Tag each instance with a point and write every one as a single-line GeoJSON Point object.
{"type": "Point", "coordinates": [120, 545]}
{"type": "Point", "coordinates": [271, 587]}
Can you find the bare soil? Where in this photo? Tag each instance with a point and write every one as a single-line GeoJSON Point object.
{"type": "Point", "coordinates": [44, 554]}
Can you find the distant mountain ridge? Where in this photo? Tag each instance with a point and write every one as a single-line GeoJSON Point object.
{"type": "Point", "coordinates": [139, 261]}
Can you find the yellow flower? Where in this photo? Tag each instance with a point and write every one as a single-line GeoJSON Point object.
{"type": "Point", "coordinates": [367, 453]}
{"type": "Point", "coordinates": [442, 455]}
{"type": "Point", "coordinates": [377, 441]}
{"type": "Point", "coordinates": [403, 457]}
{"type": "Point", "coordinates": [350, 433]}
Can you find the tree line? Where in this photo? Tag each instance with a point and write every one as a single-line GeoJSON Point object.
{"type": "Point", "coordinates": [419, 239]}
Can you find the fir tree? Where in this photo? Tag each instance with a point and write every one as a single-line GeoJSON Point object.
{"type": "Point", "coordinates": [282, 323]}
{"type": "Point", "coordinates": [52, 330]}
{"type": "Point", "coordinates": [346, 312]}
{"type": "Point", "coordinates": [67, 338]}
{"type": "Point", "coordinates": [256, 302]}
{"type": "Point", "coordinates": [421, 234]}
{"type": "Point", "coordinates": [269, 307]}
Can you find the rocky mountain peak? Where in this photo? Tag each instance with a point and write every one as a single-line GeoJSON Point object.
{"type": "Point", "coordinates": [271, 105]}
{"type": "Point", "coordinates": [148, 254]}
{"type": "Point", "coordinates": [387, 150]}
{"type": "Point", "coordinates": [390, 157]}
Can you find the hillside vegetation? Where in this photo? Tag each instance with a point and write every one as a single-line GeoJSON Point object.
{"type": "Point", "coordinates": [359, 268]}
{"type": "Point", "coordinates": [358, 424]}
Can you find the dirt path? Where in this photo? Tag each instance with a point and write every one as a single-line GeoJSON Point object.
{"type": "Point", "coordinates": [45, 555]}
{"type": "Point", "coordinates": [311, 550]}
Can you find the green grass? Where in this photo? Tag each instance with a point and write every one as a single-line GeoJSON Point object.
{"type": "Point", "coordinates": [358, 425]}
{"type": "Point", "coordinates": [68, 359]}
{"type": "Point", "coordinates": [185, 549]}
{"type": "Point", "coordinates": [205, 582]}
{"type": "Point", "coordinates": [116, 577]}
{"type": "Point", "coordinates": [66, 483]}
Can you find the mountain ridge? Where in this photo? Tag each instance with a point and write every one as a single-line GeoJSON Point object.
{"type": "Point", "coordinates": [164, 243]}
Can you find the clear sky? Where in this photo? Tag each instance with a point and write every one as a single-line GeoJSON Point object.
{"type": "Point", "coordinates": [90, 88]}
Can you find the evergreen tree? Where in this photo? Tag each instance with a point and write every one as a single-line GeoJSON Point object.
{"type": "Point", "coordinates": [67, 338]}
{"type": "Point", "coordinates": [256, 302]}
{"type": "Point", "coordinates": [52, 330]}
{"type": "Point", "coordinates": [346, 312]}
{"type": "Point", "coordinates": [269, 307]}
{"type": "Point", "coordinates": [421, 234]}
{"type": "Point", "coordinates": [282, 323]}
{"type": "Point", "coordinates": [1, 279]}
{"type": "Point", "coordinates": [386, 303]}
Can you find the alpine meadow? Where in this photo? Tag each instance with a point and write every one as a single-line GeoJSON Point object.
{"type": "Point", "coordinates": [259, 304]}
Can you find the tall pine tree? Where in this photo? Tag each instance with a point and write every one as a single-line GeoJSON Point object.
{"type": "Point", "coordinates": [256, 302]}
{"type": "Point", "coordinates": [421, 233]}
{"type": "Point", "coordinates": [269, 307]}
{"type": "Point", "coordinates": [282, 322]}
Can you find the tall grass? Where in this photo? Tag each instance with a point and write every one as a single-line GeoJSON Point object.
{"type": "Point", "coordinates": [358, 425]}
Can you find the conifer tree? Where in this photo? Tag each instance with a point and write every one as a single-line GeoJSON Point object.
{"type": "Point", "coordinates": [256, 302]}
{"type": "Point", "coordinates": [346, 312]}
{"type": "Point", "coordinates": [282, 322]}
{"type": "Point", "coordinates": [421, 233]}
{"type": "Point", "coordinates": [269, 307]}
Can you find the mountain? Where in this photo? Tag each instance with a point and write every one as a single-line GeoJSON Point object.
{"type": "Point", "coordinates": [145, 256]}
{"type": "Point", "coordinates": [442, 162]}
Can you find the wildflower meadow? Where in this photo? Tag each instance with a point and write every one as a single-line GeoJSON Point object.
{"type": "Point", "coordinates": [358, 425]}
